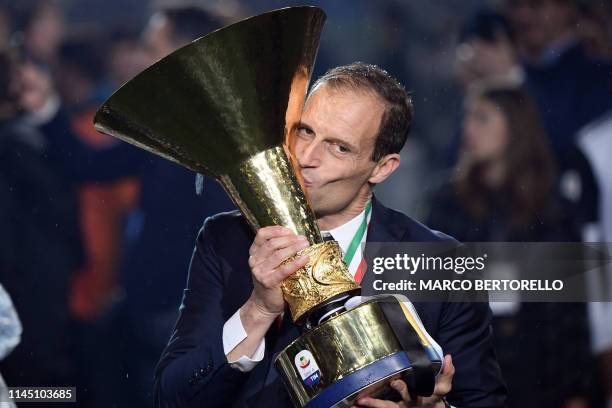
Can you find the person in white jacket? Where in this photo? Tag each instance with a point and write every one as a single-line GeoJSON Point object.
{"type": "Point", "coordinates": [10, 335]}
{"type": "Point", "coordinates": [595, 140]}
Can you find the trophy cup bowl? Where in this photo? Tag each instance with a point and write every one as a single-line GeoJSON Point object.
{"type": "Point", "coordinates": [223, 106]}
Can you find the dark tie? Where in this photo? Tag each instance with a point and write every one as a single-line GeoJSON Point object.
{"type": "Point", "coordinates": [328, 237]}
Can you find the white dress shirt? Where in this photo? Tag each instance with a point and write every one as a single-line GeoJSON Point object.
{"type": "Point", "coordinates": [233, 330]}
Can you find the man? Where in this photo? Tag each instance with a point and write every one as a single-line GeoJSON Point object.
{"type": "Point", "coordinates": [353, 126]}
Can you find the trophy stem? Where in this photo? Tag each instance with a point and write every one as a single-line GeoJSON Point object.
{"type": "Point", "coordinates": [267, 192]}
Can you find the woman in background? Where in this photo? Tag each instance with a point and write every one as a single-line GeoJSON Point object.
{"type": "Point", "coordinates": [503, 190]}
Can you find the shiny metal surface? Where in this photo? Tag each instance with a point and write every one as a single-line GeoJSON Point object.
{"type": "Point", "coordinates": [267, 192]}
{"type": "Point", "coordinates": [340, 346]}
{"type": "Point", "coordinates": [325, 276]}
{"type": "Point", "coordinates": [224, 105]}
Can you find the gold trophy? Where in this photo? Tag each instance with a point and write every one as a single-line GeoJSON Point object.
{"type": "Point", "coordinates": [223, 106]}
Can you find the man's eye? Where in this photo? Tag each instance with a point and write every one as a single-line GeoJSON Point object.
{"type": "Point", "coordinates": [343, 148]}
{"type": "Point", "coordinates": [304, 131]}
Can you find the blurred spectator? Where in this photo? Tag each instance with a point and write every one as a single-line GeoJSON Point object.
{"type": "Point", "coordinates": [39, 240]}
{"type": "Point", "coordinates": [596, 141]}
{"type": "Point", "coordinates": [103, 170]}
{"type": "Point", "coordinates": [125, 56]}
{"type": "Point", "coordinates": [486, 53]}
{"type": "Point", "coordinates": [110, 191]}
{"type": "Point", "coordinates": [594, 32]}
{"type": "Point", "coordinates": [45, 109]}
{"type": "Point", "coordinates": [570, 89]}
{"type": "Point", "coordinates": [41, 25]}
{"type": "Point", "coordinates": [172, 27]}
{"type": "Point", "coordinates": [503, 190]}
{"type": "Point", "coordinates": [503, 185]}
{"type": "Point", "coordinates": [62, 104]}
{"type": "Point", "coordinates": [540, 50]}
{"type": "Point", "coordinates": [80, 74]}
{"type": "Point", "coordinates": [10, 335]}
{"type": "Point", "coordinates": [83, 160]}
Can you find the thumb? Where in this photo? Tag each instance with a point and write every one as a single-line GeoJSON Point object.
{"type": "Point", "coordinates": [448, 370]}
{"type": "Point", "coordinates": [444, 382]}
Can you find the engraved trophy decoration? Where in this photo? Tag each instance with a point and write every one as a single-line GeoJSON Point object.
{"type": "Point", "coordinates": [223, 106]}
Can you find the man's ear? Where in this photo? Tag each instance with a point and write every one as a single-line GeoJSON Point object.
{"type": "Point", "coordinates": [384, 168]}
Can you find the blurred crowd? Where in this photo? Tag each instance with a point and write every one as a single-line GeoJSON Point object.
{"type": "Point", "coordinates": [511, 142]}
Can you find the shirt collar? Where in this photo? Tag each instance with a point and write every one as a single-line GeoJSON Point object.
{"type": "Point", "coordinates": [344, 233]}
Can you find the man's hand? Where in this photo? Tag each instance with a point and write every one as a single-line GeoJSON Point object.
{"type": "Point", "coordinates": [273, 245]}
{"type": "Point", "coordinates": [479, 60]}
{"type": "Point", "coordinates": [442, 387]}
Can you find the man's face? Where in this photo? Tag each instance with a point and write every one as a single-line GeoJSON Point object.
{"type": "Point", "coordinates": [333, 146]}
{"type": "Point", "coordinates": [485, 131]}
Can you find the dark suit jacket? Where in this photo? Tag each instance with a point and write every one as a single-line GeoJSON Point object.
{"type": "Point", "coordinates": [194, 372]}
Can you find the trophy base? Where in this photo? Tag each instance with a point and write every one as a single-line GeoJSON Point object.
{"type": "Point", "coordinates": [372, 381]}
{"type": "Point", "coordinates": [357, 353]}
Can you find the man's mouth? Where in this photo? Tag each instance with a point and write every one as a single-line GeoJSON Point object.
{"type": "Point", "coordinates": [307, 182]}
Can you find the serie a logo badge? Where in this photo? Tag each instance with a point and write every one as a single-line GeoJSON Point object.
{"type": "Point", "coordinates": [307, 367]}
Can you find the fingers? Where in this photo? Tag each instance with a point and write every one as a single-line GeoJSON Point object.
{"type": "Point", "coordinates": [270, 239]}
{"type": "Point", "coordinates": [271, 277]}
{"type": "Point", "coordinates": [291, 267]}
{"type": "Point", "coordinates": [376, 403]}
{"type": "Point", "coordinates": [402, 389]}
{"type": "Point", "coordinates": [399, 386]}
{"type": "Point", "coordinates": [274, 243]}
{"type": "Point", "coordinates": [271, 247]}
{"type": "Point", "coordinates": [449, 368]}
{"type": "Point", "coordinates": [271, 257]}
{"type": "Point", "coordinates": [442, 387]}
{"type": "Point", "coordinates": [259, 253]}
{"type": "Point", "coordinates": [445, 379]}
{"type": "Point", "coordinates": [264, 234]}
{"type": "Point", "coordinates": [283, 253]}
{"type": "Point", "coordinates": [271, 273]}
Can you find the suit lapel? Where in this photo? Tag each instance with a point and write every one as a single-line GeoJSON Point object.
{"type": "Point", "coordinates": [384, 227]}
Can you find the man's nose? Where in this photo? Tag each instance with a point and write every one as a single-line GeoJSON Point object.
{"type": "Point", "coordinates": [310, 154]}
